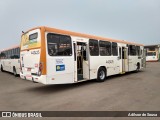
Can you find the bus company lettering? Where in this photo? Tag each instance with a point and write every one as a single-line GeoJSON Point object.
{"type": "Point", "coordinates": [59, 61]}
{"type": "Point", "coordinates": [109, 61]}
{"type": "Point", "coordinates": [35, 52]}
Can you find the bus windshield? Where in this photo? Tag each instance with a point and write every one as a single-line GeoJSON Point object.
{"type": "Point", "coordinates": [151, 54]}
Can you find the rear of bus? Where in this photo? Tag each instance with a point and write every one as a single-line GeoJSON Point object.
{"type": "Point", "coordinates": [31, 56]}
{"type": "Point", "coordinates": [46, 57]}
{"type": "Point", "coordinates": [152, 56]}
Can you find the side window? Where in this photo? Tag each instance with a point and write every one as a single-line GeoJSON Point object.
{"type": "Point", "coordinates": [142, 52]}
{"type": "Point", "coordinates": [59, 45]}
{"type": "Point", "coordinates": [105, 48]}
{"type": "Point", "coordinates": [132, 50]}
{"type": "Point", "coordinates": [2, 54]}
{"type": "Point", "coordinates": [138, 50]}
{"type": "Point", "coordinates": [151, 49]}
{"type": "Point", "coordinates": [93, 47]}
{"type": "Point", "coordinates": [12, 52]}
{"type": "Point", "coordinates": [128, 50]}
{"type": "Point", "coordinates": [9, 54]}
{"type": "Point", "coordinates": [6, 54]}
{"type": "Point", "coordinates": [18, 51]}
{"type": "Point", "coordinates": [120, 51]}
{"type": "Point", "coordinates": [114, 49]}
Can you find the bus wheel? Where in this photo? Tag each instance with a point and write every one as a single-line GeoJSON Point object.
{"type": "Point", "coordinates": [14, 72]}
{"type": "Point", "coordinates": [138, 67]}
{"type": "Point", "coordinates": [2, 68]}
{"type": "Point", "coordinates": [101, 74]}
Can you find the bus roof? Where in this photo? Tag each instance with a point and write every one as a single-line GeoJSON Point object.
{"type": "Point", "coordinates": [15, 46]}
{"type": "Point", "coordinates": [148, 46]}
{"type": "Point", "coordinates": [66, 32]}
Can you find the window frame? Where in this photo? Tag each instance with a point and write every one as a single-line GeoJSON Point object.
{"type": "Point", "coordinates": [97, 52]}
{"type": "Point", "coordinates": [138, 50]}
{"type": "Point", "coordinates": [60, 35]}
{"type": "Point", "coordinates": [33, 37]}
{"type": "Point", "coordinates": [116, 48]}
{"type": "Point", "coordinates": [106, 44]}
{"type": "Point", "coordinates": [131, 52]}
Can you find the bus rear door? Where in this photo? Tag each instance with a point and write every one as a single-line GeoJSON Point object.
{"type": "Point", "coordinates": [124, 59]}
{"type": "Point", "coordinates": [82, 61]}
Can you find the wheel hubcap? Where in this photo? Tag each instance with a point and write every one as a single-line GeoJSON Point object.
{"type": "Point", "coordinates": [102, 75]}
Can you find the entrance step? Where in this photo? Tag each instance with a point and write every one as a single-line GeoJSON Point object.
{"type": "Point", "coordinates": [80, 76]}
{"type": "Point", "coordinates": [122, 72]}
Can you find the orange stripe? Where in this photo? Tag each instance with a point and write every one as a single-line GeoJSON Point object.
{"type": "Point", "coordinates": [87, 36]}
{"type": "Point", "coordinates": [65, 32]}
{"type": "Point", "coordinates": [43, 51]}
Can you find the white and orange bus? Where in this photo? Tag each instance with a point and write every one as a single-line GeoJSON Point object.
{"type": "Point", "coordinates": [152, 56]}
{"type": "Point", "coordinates": [54, 56]}
{"type": "Point", "coordinates": [9, 60]}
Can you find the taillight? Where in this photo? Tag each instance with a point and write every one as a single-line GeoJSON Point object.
{"type": "Point", "coordinates": [40, 69]}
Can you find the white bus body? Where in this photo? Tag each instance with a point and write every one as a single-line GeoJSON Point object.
{"type": "Point", "coordinates": [53, 56]}
{"type": "Point", "coordinates": [152, 56]}
{"type": "Point", "coordinates": [10, 65]}
{"type": "Point", "coordinates": [10, 61]}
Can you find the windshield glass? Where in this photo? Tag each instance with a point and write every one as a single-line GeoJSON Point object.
{"type": "Point", "coordinates": [151, 54]}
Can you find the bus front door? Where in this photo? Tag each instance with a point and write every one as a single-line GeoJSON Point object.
{"type": "Point", "coordinates": [124, 59]}
{"type": "Point", "coordinates": [81, 62]}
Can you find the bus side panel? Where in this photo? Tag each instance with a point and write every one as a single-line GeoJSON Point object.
{"type": "Point", "coordinates": [15, 63]}
{"type": "Point", "coordinates": [94, 64]}
{"type": "Point", "coordinates": [109, 62]}
{"type": "Point", "coordinates": [60, 70]}
{"type": "Point", "coordinates": [151, 58]}
{"type": "Point", "coordinates": [133, 63]}
{"type": "Point", "coordinates": [6, 64]}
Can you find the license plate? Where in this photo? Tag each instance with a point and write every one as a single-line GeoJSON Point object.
{"type": "Point", "coordinates": [28, 69]}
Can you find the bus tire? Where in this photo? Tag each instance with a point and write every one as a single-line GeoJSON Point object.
{"type": "Point", "coordinates": [101, 75]}
{"type": "Point", "coordinates": [2, 68]}
{"type": "Point", "coordinates": [14, 71]}
{"type": "Point", "coordinates": [138, 67]}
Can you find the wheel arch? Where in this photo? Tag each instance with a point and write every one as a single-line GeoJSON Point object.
{"type": "Point", "coordinates": [138, 64]}
{"type": "Point", "coordinates": [102, 66]}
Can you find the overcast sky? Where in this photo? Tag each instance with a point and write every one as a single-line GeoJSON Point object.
{"type": "Point", "coordinates": [131, 20]}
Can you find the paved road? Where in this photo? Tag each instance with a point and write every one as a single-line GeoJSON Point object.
{"type": "Point", "coordinates": [133, 91]}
